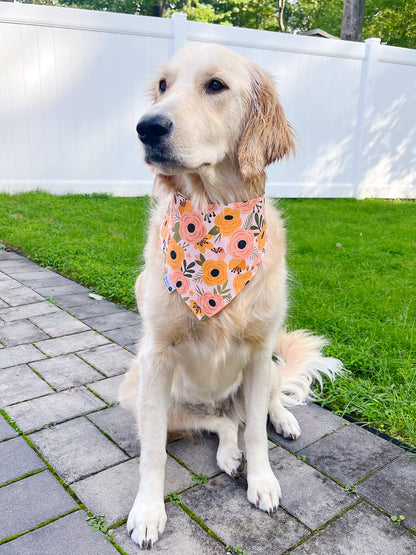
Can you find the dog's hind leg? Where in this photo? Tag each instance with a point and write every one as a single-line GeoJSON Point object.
{"type": "Point", "coordinates": [229, 456]}
{"type": "Point", "coordinates": [283, 420]}
{"type": "Point", "coordinates": [128, 391]}
{"type": "Point", "coordinates": [300, 363]}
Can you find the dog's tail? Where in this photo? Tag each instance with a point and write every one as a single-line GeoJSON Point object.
{"type": "Point", "coordinates": [301, 362]}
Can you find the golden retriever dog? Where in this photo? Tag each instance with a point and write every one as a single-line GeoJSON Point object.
{"type": "Point", "coordinates": [214, 125]}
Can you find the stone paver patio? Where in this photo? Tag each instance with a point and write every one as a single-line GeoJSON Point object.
{"type": "Point", "coordinates": [67, 449]}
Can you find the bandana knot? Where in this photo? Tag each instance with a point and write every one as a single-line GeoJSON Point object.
{"type": "Point", "coordinates": [211, 256]}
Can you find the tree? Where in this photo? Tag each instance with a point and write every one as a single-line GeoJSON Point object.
{"type": "Point", "coordinates": [352, 20]}
{"type": "Point", "coordinates": [262, 14]}
{"type": "Point", "coordinates": [393, 21]}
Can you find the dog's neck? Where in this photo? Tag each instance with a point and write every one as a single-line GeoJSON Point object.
{"type": "Point", "coordinates": [219, 184]}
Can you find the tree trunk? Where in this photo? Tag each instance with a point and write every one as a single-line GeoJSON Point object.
{"type": "Point", "coordinates": [159, 8]}
{"type": "Point", "coordinates": [352, 20]}
{"type": "Point", "coordinates": [282, 15]}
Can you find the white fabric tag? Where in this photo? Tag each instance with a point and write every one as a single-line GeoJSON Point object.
{"type": "Point", "coordinates": [168, 283]}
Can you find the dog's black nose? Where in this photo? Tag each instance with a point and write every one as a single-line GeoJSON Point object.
{"type": "Point", "coordinates": [153, 129]}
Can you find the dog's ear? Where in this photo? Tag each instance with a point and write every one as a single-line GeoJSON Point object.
{"type": "Point", "coordinates": [267, 135]}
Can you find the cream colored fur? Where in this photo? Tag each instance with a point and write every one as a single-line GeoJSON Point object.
{"type": "Point", "coordinates": [216, 373]}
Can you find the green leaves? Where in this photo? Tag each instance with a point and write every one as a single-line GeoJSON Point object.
{"type": "Point", "coordinates": [174, 498]}
{"type": "Point", "coordinates": [97, 522]}
{"type": "Point", "coordinates": [200, 478]}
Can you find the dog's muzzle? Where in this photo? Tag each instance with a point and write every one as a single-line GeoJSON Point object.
{"type": "Point", "coordinates": [152, 130]}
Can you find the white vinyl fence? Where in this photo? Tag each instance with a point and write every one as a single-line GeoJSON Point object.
{"type": "Point", "coordinates": [72, 88]}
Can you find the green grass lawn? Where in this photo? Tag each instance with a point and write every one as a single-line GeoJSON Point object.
{"type": "Point", "coordinates": [353, 279]}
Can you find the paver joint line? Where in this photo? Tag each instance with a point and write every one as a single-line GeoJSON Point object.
{"type": "Point", "coordinates": [341, 483]}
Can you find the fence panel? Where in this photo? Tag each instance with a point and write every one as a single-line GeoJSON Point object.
{"type": "Point", "coordinates": [72, 88]}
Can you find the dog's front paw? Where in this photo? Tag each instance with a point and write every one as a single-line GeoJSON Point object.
{"type": "Point", "coordinates": [264, 492]}
{"type": "Point", "coordinates": [146, 523]}
{"type": "Point", "coordinates": [230, 459]}
{"type": "Point", "coordinates": [285, 424]}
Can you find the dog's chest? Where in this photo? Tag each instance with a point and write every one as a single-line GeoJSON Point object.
{"type": "Point", "coordinates": [206, 373]}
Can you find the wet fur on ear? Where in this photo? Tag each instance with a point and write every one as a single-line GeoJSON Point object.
{"type": "Point", "coordinates": [267, 135]}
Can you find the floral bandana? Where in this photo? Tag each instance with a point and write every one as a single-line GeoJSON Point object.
{"type": "Point", "coordinates": [211, 256]}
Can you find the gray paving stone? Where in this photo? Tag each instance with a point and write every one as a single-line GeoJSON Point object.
{"type": "Point", "coordinates": [132, 348]}
{"type": "Point", "coordinates": [66, 371]}
{"type": "Point", "coordinates": [113, 321]}
{"type": "Point", "coordinates": [32, 415]}
{"type": "Point", "coordinates": [314, 421]}
{"type": "Point", "coordinates": [60, 290]}
{"type": "Point", "coordinates": [28, 502]}
{"type": "Point", "coordinates": [9, 255]}
{"type": "Point", "coordinates": [19, 333]}
{"type": "Point", "coordinates": [46, 276]}
{"type": "Point", "coordinates": [6, 430]}
{"type": "Point", "coordinates": [18, 265]}
{"type": "Point", "coordinates": [350, 454]}
{"type": "Point", "coordinates": [112, 492]}
{"type": "Point", "coordinates": [20, 383]}
{"type": "Point", "coordinates": [393, 488]}
{"type": "Point", "coordinates": [360, 531]}
{"type": "Point", "coordinates": [69, 535]}
{"type": "Point", "coordinates": [110, 359]}
{"type": "Point", "coordinates": [307, 494]}
{"type": "Point", "coordinates": [125, 336]}
{"type": "Point", "coordinates": [59, 323]}
{"type": "Point", "coordinates": [27, 311]}
{"type": "Point", "coordinates": [198, 453]}
{"type": "Point", "coordinates": [95, 308]}
{"type": "Point", "coordinates": [71, 343]}
{"type": "Point", "coordinates": [7, 283]}
{"type": "Point", "coordinates": [223, 506]}
{"type": "Point", "coordinates": [121, 426]}
{"type": "Point", "coordinates": [17, 459]}
{"type": "Point", "coordinates": [108, 389]}
{"type": "Point", "coordinates": [67, 302]}
{"type": "Point", "coordinates": [19, 355]}
{"type": "Point", "coordinates": [182, 536]}
{"type": "Point", "coordinates": [76, 449]}
{"type": "Point", "coordinates": [20, 296]}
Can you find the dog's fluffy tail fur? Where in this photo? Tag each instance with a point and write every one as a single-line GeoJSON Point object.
{"type": "Point", "coordinates": [301, 362]}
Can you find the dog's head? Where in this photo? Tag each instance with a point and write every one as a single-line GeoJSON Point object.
{"type": "Point", "coordinates": [212, 107]}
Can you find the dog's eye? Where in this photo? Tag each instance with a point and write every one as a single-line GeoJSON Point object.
{"type": "Point", "coordinates": [162, 85]}
{"type": "Point", "coordinates": [215, 86]}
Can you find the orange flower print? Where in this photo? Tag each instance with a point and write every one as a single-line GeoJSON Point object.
{"type": "Point", "coordinates": [204, 244]}
{"type": "Point", "coordinates": [180, 281]}
{"type": "Point", "coordinates": [210, 303]}
{"type": "Point", "coordinates": [164, 230]}
{"type": "Point", "coordinates": [228, 221]}
{"type": "Point", "coordinates": [241, 280]}
{"type": "Point", "coordinates": [247, 206]}
{"type": "Point", "coordinates": [237, 265]}
{"type": "Point", "coordinates": [214, 272]}
{"type": "Point", "coordinates": [185, 207]}
{"type": "Point", "coordinates": [196, 309]}
{"type": "Point", "coordinates": [174, 255]}
{"type": "Point", "coordinates": [192, 227]}
{"type": "Point", "coordinates": [261, 238]}
{"type": "Point", "coordinates": [241, 243]}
